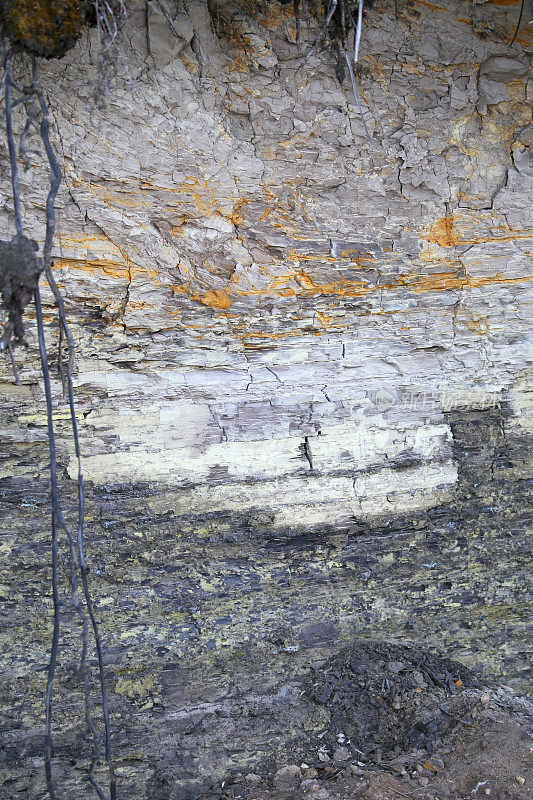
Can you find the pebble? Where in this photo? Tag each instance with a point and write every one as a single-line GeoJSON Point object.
{"type": "Point", "coordinates": [355, 770]}
{"type": "Point", "coordinates": [396, 666]}
{"type": "Point", "coordinates": [323, 756]}
{"type": "Point", "coordinates": [252, 779]}
{"type": "Point", "coordinates": [310, 773]}
{"type": "Point", "coordinates": [438, 763]}
{"type": "Point", "coordinates": [520, 780]}
{"type": "Point", "coordinates": [341, 754]}
{"type": "Point", "coordinates": [287, 776]}
{"type": "Point", "coordinates": [419, 680]}
{"type": "Point", "coordinates": [346, 772]}
{"type": "Point", "coordinates": [236, 790]}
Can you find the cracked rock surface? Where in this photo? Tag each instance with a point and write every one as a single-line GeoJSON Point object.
{"type": "Point", "coordinates": [301, 374]}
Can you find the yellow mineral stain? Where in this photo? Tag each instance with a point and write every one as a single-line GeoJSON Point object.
{"type": "Point", "coordinates": [112, 269]}
{"type": "Point", "coordinates": [442, 281]}
{"type": "Point", "coordinates": [216, 298]}
{"type": "Point", "coordinates": [341, 289]}
{"type": "Point", "coordinates": [443, 231]}
{"type": "Point", "coordinates": [323, 319]}
{"type": "Point", "coordinates": [431, 6]}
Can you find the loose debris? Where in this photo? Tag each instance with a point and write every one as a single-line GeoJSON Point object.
{"type": "Point", "coordinates": [402, 723]}
{"type": "Point", "coordinates": [20, 269]}
{"type": "Point", "coordinates": [391, 698]}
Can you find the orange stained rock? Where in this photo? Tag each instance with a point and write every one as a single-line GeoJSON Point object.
{"type": "Point", "coordinates": [324, 319]}
{"type": "Point", "coordinates": [506, 2]}
{"type": "Point", "coordinates": [343, 288]}
{"type": "Point", "coordinates": [111, 268]}
{"type": "Point", "coordinates": [443, 231]}
{"type": "Point", "coordinates": [442, 281]}
{"type": "Point", "coordinates": [431, 6]}
{"type": "Point", "coordinates": [215, 298]}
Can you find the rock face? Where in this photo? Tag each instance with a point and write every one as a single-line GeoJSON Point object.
{"type": "Point", "coordinates": [301, 375]}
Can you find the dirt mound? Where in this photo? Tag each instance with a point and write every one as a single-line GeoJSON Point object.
{"type": "Point", "coordinates": [386, 699]}
{"type": "Point", "coordinates": [399, 722]}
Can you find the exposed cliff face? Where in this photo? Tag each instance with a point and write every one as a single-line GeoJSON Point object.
{"type": "Point", "coordinates": [301, 373]}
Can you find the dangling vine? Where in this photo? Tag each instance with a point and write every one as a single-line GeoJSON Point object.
{"type": "Point", "coordinates": [20, 271]}
{"type": "Point", "coordinates": [21, 268]}
{"type": "Point", "coordinates": [338, 22]}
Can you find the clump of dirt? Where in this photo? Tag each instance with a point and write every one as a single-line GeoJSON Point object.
{"type": "Point", "coordinates": [20, 269]}
{"type": "Point", "coordinates": [388, 698]}
{"type": "Point", "coordinates": [45, 27]}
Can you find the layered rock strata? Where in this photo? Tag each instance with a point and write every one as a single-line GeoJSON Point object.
{"type": "Point", "coordinates": [301, 372]}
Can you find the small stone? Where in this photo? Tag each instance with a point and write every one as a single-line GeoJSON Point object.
{"type": "Point", "coordinates": [520, 780]}
{"type": "Point", "coordinates": [346, 772]}
{"type": "Point", "coordinates": [485, 699]}
{"type": "Point", "coordinates": [438, 763]}
{"type": "Point", "coordinates": [341, 754]}
{"type": "Point", "coordinates": [287, 776]}
{"type": "Point", "coordinates": [418, 678]}
{"type": "Point", "coordinates": [323, 756]}
{"type": "Point", "coordinates": [423, 781]}
{"type": "Point", "coordinates": [252, 779]}
{"type": "Point", "coordinates": [311, 773]}
{"type": "Point", "coordinates": [396, 666]}
{"type": "Point", "coordinates": [355, 770]}
{"type": "Point", "coordinates": [236, 791]}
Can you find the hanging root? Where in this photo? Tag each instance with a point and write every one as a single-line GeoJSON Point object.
{"type": "Point", "coordinates": [20, 270]}
{"type": "Point", "coordinates": [522, 4]}
{"type": "Point", "coordinates": [110, 16]}
{"type": "Point", "coordinates": [338, 23]}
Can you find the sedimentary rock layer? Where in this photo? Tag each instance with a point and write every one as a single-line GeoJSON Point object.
{"type": "Point", "coordinates": [301, 372]}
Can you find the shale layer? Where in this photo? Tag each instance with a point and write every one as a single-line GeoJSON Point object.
{"type": "Point", "coordinates": [301, 377]}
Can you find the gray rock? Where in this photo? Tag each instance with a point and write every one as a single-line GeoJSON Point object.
{"type": "Point", "coordinates": [341, 754]}
{"type": "Point", "coordinates": [287, 777]}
